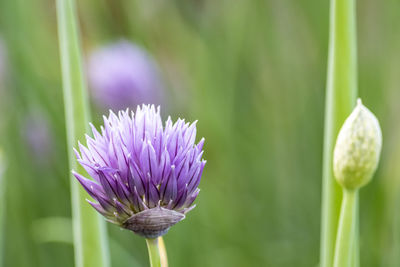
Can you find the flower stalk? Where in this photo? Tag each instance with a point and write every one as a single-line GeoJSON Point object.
{"type": "Point", "coordinates": [154, 252]}
{"type": "Point", "coordinates": [163, 252]}
{"type": "Point", "coordinates": [88, 229]}
{"type": "Point", "coordinates": [344, 255]}
{"type": "Point", "coordinates": [341, 92]}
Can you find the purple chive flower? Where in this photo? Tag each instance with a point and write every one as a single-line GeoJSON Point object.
{"type": "Point", "coordinates": [123, 75]}
{"type": "Point", "coordinates": [145, 176]}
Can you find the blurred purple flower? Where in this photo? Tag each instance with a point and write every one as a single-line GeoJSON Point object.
{"type": "Point", "coordinates": [123, 75]}
{"type": "Point", "coordinates": [145, 175]}
{"type": "Point", "coordinates": [38, 136]}
{"type": "Point", "coordinates": [2, 60]}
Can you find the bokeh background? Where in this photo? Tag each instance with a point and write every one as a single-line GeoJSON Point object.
{"type": "Point", "coordinates": [253, 73]}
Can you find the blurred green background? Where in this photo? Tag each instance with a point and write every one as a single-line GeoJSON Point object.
{"type": "Point", "coordinates": [253, 73]}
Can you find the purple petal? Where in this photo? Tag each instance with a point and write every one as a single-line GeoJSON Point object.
{"type": "Point", "coordinates": [90, 169]}
{"type": "Point", "coordinates": [182, 196]}
{"type": "Point", "coordinates": [108, 184]}
{"type": "Point", "coordinates": [99, 208]}
{"type": "Point", "coordinates": [135, 178]}
{"type": "Point", "coordinates": [93, 189]}
{"type": "Point", "coordinates": [170, 189]}
{"type": "Point", "coordinates": [191, 198]}
{"type": "Point", "coordinates": [152, 195]}
{"type": "Point", "coordinates": [138, 202]}
{"type": "Point", "coordinates": [194, 183]}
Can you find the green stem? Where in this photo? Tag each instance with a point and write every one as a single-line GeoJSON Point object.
{"type": "Point", "coordinates": [163, 252]}
{"type": "Point", "coordinates": [154, 252]}
{"type": "Point", "coordinates": [341, 92]}
{"type": "Point", "coordinates": [344, 251]}
{"type": "Point", "coordinates": [89, 229]}
{"type": "Point", "coordinates": [356, 242]}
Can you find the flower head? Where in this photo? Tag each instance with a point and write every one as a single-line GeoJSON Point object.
{"type": "Point", "coordinates": [123, 75]}
{"type": "Point", "coordinates": [357, 148]}
{"type": "Point", "coordinates": [145, 175]}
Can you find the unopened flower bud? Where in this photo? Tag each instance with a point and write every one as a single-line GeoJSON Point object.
{"type": "Point", "coordinates": [357, 148]}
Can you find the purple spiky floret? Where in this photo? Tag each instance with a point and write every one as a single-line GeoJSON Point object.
{"type": "Point", "coordinates": [145, 175]}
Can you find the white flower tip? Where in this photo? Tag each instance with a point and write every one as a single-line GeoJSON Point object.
{"type": "Point", "coordinates": [110, 112]}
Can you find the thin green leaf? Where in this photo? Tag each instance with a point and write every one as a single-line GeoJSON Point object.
{"type": "Point", "coordinates": [89, 229]}
{"type": "Point", "coordinates": [341, 92]}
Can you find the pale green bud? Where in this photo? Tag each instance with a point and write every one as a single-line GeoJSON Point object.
{"type": "Point", "coordinates": [358, 147]}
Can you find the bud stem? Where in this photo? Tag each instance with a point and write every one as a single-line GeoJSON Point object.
{"type": "Point", "coordinates": [154, 252]}
{"type": "Point", "coordinates": [344, 250]}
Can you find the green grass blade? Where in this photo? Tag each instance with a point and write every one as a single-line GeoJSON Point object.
{"type": "Point", "coordinates": [341, 95]}
{"type": "Point", "coordinates": [89, 229]}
